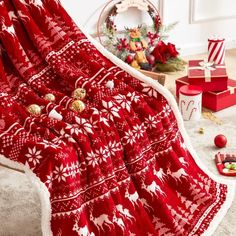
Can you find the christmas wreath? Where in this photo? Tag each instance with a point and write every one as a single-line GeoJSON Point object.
{"type": "Point", "coordinates": [142, 47]}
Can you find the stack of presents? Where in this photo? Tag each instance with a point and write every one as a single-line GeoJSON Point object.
{"type": "Point", "coordinates": [219, 91]}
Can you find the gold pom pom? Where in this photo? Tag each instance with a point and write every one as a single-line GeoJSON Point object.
{"type": "Point", "coordinates": [77, 106]}
{"type": "Point", "coordinates": [34, 109]}
{"type": "Point", "coordinates": [201, 130]}
{"type": "Point", "coordinates": [49, 97]}
{"type": "Point", "coordinates": [79, 93]}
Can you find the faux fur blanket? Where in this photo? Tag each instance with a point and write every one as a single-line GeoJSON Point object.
{"type": "Point", "coordinates": [104, 145]}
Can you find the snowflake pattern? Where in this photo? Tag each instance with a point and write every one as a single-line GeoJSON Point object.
{"type": "Point", "coordinates": [147, 89]}
{"type": "Point", "coordinates": [129, 137]}
{"type": "Point", "coordinates": [111, 110]}
{"type": "Point", "coordinates": [60, 173]}
{"type": "Point", "coordinates": [102, 154]}
{"type": "Point", "coordinates": [133, 97]}
{"type": "Point", "coordinates": [49, 181]}
{"type": "Point", "coordinates": [84, 125]}
{"type": "Point", "coordinates": [138, 131]}
{"type": "Point", "coordinates": [34, 156]}
{"type": "Point", "coordinates": [165, 111]}
{"type": "Point", "coordinates": [123, 102]}
{"type": "Point", "coordinates": [92, 159]}
{"type": "Point", "coordinates": [114, 147]}
{"type": "Point", "coordinates": [150, 122]}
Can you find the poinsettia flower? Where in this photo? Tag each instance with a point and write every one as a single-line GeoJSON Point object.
{"type": "Point", "coordinates": [159, 52]}
{"type": "Point", "coordinates": [172, 50]}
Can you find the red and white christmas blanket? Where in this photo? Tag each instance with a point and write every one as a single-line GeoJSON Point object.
{"type": "Point", "coordinates": [112, 158]}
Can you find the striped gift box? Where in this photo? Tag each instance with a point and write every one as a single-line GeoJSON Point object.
{"type": "Point", "coordinates": [216, 51]}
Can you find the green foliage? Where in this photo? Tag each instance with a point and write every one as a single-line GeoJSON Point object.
{"type": "Point", "coordinates": [172, 65]}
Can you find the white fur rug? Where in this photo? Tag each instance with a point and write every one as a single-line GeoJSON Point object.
{"type": "Point", "coordinates": [20, 205]}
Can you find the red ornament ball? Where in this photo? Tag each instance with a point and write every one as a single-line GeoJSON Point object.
{"type": "Point", "coordinates": [129, 59]}
{"type": "Point", "coordinates": [151, 59]}
{"type": "Point", "coordinates": [220, 140]}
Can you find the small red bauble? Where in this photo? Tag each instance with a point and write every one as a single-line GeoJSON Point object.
{"type": "Point", "coordinates": [151, 59]}
{"type": "Point", "coordinates": [129, 59]}
{"type": "Point", "coordinates": [220, 140]}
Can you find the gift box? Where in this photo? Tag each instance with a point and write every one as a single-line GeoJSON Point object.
{"type": "Point", "coordinates": [214, 101]}
{"type": "Point", "coordinates": [208, 76]}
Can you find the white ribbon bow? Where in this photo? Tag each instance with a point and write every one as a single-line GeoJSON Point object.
{"type": "Point", "coordinates": [207, 67]}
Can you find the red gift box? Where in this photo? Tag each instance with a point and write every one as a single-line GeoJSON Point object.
{"type": "Point", "coordinates": [208, 76]}
{"type": "Point", "coordinates": [214, 101]}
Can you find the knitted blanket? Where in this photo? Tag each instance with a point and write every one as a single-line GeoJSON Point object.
{"type": "Point", "coordinates": [104, 146]}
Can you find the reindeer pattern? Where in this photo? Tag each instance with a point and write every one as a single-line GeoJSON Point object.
{"type": "Point", "coordinates": [82, 231]}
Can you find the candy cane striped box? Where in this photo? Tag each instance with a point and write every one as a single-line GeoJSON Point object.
{"type": "Point", "coordinates": [208, 76]}
{"type": "Point", "coordinates": [214, 101]}
{"type": "Point", "coordinates": [216, 50]}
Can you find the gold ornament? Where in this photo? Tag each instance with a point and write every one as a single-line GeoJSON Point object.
{"type": "Point", "coordinates": [79, 93]}
{"type": "Point", "coordinates": [77, 106]}
{"type": "Point", "coordinates": [49, 97]}
{"type": "Point", "coordinates": [201, 130]}
{"type": "Point", "coordinates": [34, 109]}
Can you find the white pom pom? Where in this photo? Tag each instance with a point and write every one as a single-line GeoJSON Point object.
{"type": "Point", "coordinates": [110, 84]}
{"type": "Point", "coordinates": [54, 114]}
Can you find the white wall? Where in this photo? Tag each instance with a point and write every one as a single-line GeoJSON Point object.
{"type": "Point", "coordinates": [190, 37]}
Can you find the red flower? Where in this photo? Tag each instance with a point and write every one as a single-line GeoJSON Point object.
{"type": "Point", "coordinates": [159, 57]}
{"type": "Point", "coordinates": [163, 52]}
{"type": "Point", "coordinates": [162, 47]}
{"type": "Point", "coordinates": [172, 50]}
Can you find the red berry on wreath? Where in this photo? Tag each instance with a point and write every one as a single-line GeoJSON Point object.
{"type": "Point", "coordinates": [220, 140]}
{"type": "Point", "coordinates": [129, 59]}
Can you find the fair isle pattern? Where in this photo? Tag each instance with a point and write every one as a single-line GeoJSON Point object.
{"type": "Point", "coordinates": [120, 167]}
